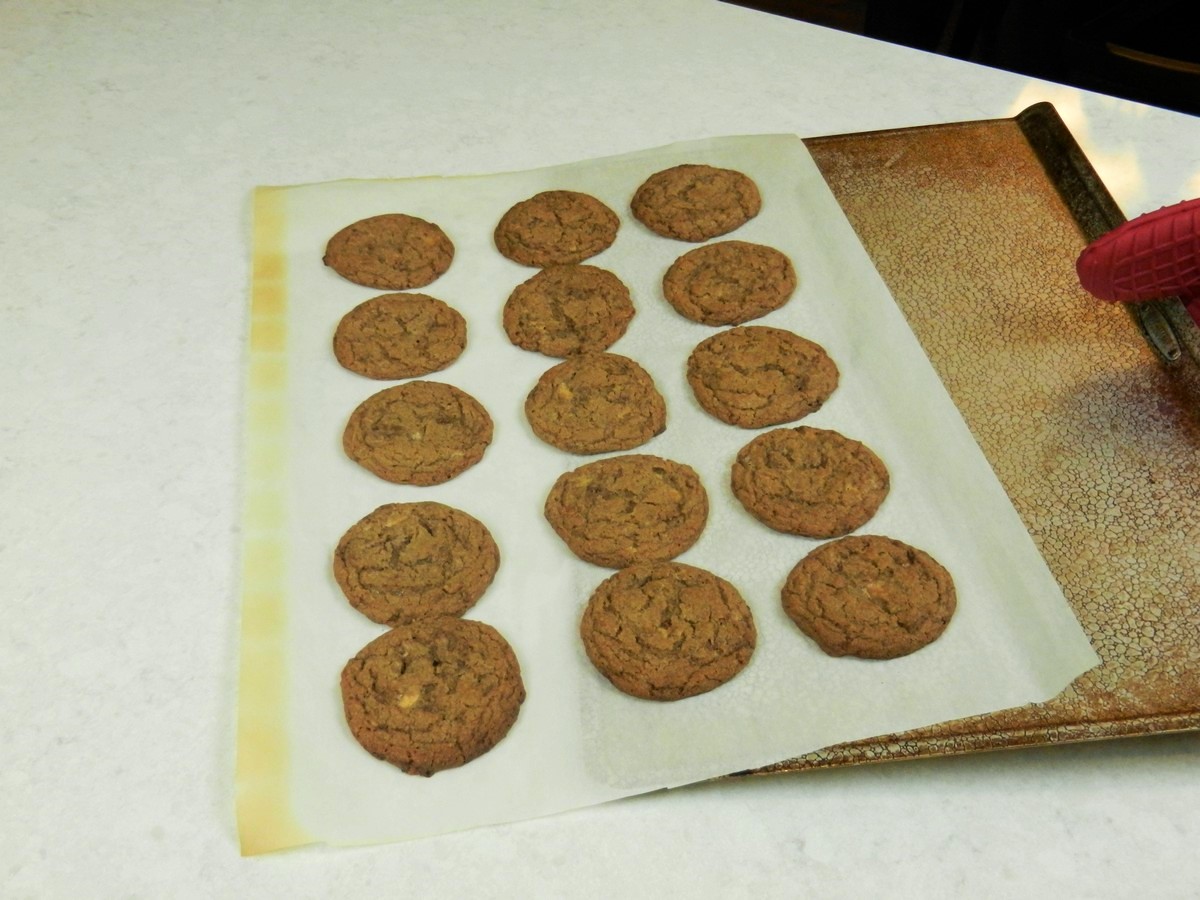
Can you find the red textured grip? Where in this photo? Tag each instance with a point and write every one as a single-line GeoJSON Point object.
{"type": "Point", "coordinates": [1153, 256]}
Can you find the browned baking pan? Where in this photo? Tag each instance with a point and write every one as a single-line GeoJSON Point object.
{"type": "Point", "coordinates": [1088, 412]}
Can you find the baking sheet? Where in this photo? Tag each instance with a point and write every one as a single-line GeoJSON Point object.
{"type": "Point", "coordinates": [301, 776]}
{"type": "Point", "coordinates": [1094, 436]}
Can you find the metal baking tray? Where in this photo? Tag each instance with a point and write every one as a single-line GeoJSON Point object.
{"type": "Point", "coordinates": [1088, 412]}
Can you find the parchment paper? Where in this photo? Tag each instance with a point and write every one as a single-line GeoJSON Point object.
{"type": "Point", "coordinates": [578, 740]}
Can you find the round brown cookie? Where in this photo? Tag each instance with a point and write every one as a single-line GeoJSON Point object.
{"type": "Point", "coordinates": [392, 252]}
{"type": "Point", "coordinates": [665, 630]}
{"type": "Point", "coordinates": [422, 432]}
{"type": "Point", "coordinates": [433, 694]}
{"type": "Point", "coordinates": [728, 283]}
{"type": "Point", "coordinates": [696, 202]}
{"type": "Point", "coordinates": [753, 376]}
{"type": "Point", "coordinates": [565, 310]}
{"type": "Point", "coordinates": [555, 228]}
{"type": "Point", "coordinates": [410, 561]}
{"type": "Point", "coordinates": [596, 403]}
{"type": "Point", "coordinates": [809, 481]}
{"type": "Point", "coordinates": [869, 596]}
{"type": "Point", "coordinates": [628, 509]}
{"type": "Point", "coordinates": [399, 336]}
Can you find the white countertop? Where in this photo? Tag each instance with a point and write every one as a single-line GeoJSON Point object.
{"type": "Point", "coordinates": [132, 135]}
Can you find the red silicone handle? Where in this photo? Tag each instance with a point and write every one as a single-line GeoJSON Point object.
{"type": "Point", "coordinates": [1153, 256]}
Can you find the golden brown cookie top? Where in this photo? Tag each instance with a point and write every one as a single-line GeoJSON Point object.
{"type": "Point", "coordinates": [627, 509]}
{"type": "Point", "coordinates": [870, 596]}
{"type": "Point", "coordinates": [753, 376]}
{"type": "Point", "coordinates": [393, 252]}
{"type": "Point", "coordinates": [397, 336]}
{"type": "Point", "coordinates": [564, 310]}
{"type": "Point", "coordinates": [408, 561]}
{"type": "Point", "coordinates": [696, 202]}
{"type": "Point", "coordinates": [555, 228]}
{"type": "Point", "coordinates": [666, 631]}
{"type": "Point", "coordinates": [422, 433]}
{"type": "Point", "coordinates": [433, 694]}
{"type": "Point", "coordinates": [596, 403]}
{"type": "Point", "coordinates": [729, 282]}
{"type": "Point", "coordinates": [809, 481]}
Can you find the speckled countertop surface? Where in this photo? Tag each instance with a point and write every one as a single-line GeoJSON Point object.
{"type": "Point", "coordinates": [132, 136]}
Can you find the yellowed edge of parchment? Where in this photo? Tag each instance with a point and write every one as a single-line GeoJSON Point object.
{"type": "Point", "coordinates": [264, 815]}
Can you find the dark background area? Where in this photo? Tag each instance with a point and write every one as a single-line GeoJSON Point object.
{"type": "Point", "coordinates": [1147, 51]}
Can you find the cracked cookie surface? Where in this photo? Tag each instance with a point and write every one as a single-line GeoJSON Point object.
{"type": "Point", "coordinates": [422, 433]}
{"type": "Point", "coordinates": [564, 310]}
{"type": "Point", "coordinates": [696, 202]}
{"type": "Point", "coordinates": [394, 252]}
{"type": "Point", "coordinates": [433, 694]}
{"type": "Point", "coordinates": [869, 596]}
{"type": "Point", "coordinates": [596, 403]}
{"type": "Point", "coordinates": [729, 282]}
{"type": "Point", "coordinates": [753, 376]}
{"type": "Point", "coordinates": [809, 481]}
{"type": "Point", "coordinates": [628, 509]}
{"type": "Point", "coordinates": [666, 630]}
{"type": "Point", "coordinates": [399, 336]}
{"type": "Point", "coordinates": [556, 228]}
{"type": "Point", "coordinates": [407, 561]}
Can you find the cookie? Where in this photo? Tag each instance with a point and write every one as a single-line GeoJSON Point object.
{"type": "Point", "coordinates": [554, 228]}
{"type": "Point", "coordinates": [666, 631]}
{"type": "Point", "coordinates": [422, 432]}
{"type": "Point", "coordinates": [869, 596]}
{"type": "Point", "coordinates": [628, 509]}
{"type": "Point", "coordinates": [696, 202]}
{"type": "Point", "coordinates": [565, 310]}
{"type": "Point", "coordinates": [809, 481]}
{"type": "Point", "coordinates": [729, 282]}
{"type": "Point", "coordinates": [596, 403]}
{"type": "Point", "coordinates": [408, 561]}
{"type": "Point", "coordinates": [392, 252]}
{"type": "Point", "coordinates": [753, 376]}
{"type": "Point", "coordinates": [399, 336]}
{"type": "Point", "coordinates": [433, 694]}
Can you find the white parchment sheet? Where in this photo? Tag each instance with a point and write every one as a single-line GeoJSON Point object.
{"type": "Point", "coordinates": [579, 741]}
